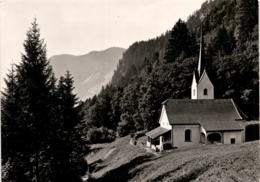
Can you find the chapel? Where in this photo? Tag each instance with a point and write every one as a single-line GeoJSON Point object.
{"type": "Point", "coordinates": [202, 119]}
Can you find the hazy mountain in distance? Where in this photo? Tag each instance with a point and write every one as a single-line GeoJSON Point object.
{"type": "Point", "coordinates": [90, 71]}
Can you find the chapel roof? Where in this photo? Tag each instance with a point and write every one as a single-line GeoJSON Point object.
{"type": "Point", "coordinates": [157, 132]}
{"type": "Point", "coordinates": [212, 114]}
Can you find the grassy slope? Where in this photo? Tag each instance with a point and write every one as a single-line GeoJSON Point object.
{"type": "Point", "coordinates": [120, 161]}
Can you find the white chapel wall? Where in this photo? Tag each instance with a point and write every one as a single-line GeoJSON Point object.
{"type": "Point", "coordinates": [205, 83]}
{"type": "Point", "coordinates": [178, 134]}
{"type": "Point", "coordinates": [194, 88]}
{"type": "Point", "coordinates": [237, 135]}
{"type": "Point", "coordinates": [164, 122]}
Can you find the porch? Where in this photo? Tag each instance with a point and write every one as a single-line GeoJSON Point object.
{"type": "Point", "coordinates": [159, 139]}
{"type": "Point", "coordinates": [215, 137]}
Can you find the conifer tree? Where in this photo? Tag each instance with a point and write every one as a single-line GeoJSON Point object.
{"type": "Point", "coordinates": [129, 119]}
{"type": "Point", "coordinates": [14, 163]}
{"type": "Point", "coordinates": [181, 42]}
{"type": "Point", "coordinates": [69, 148]}
{"type": "Point", "coordinates": [148, 103]}
{"type": "Point", "coordinates": [31, 88]}
{"type": "Point", "coordinates": [9, 111]}
{"type": "Point", "coordinates": [35, 85]}
{"type": "Point", "coordinates": [41, 139]}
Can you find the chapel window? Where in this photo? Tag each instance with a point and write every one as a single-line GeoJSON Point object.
{"type": "Point", "coordinates": [205, 91]}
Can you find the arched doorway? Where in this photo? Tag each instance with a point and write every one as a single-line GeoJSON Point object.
{"type": "Point", "coordinates": [252, 132]}
{"type": "Point", "coordinates": [214, 138]}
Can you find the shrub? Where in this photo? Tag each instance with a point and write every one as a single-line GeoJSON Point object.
{"type": "Point", "coordinates": [100, 135]}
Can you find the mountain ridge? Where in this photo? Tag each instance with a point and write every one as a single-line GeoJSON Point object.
{"type": "Point", "coordinates": [90, 71]}
{"type": "Point", "coordinates": [90, 52]}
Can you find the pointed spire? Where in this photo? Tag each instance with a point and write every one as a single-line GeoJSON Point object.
{"type": "Point", "coordinates": [201, 64]}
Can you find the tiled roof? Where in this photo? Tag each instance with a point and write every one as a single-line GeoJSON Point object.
{"type": "Point", "coordinates": [220, 125]}
{"type": "Point", "coordinates": [212, 114]}
{"type": "Point", "coordinates": [157, 132]}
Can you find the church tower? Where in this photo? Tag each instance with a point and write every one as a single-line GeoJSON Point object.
{"type": "Point", "coordinates": [201, 87]}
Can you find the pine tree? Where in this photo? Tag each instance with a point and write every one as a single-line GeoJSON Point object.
{"type": "Point", "coordinates": [181, 43]}
{"type": "Point", "coordinates": [30, 119]}
{"type": "Point", "coordinates": [9, 111]}
{"type": "Point", "coordinates": [35, 85]}
{"type": "Point", "coordinates": [68, 148]}
{"type": "Point", "coordinates": [148, 103]}
{"type": "Point", "coordinates": [129, 112]}
{"type": "Point", "coordinates": [115, 104]}
{"type": "Point", "coordinates": [15, 162]}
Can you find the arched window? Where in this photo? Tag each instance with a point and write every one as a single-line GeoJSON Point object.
{"type": "Point", "coordinates": [187, 135]}
{"type": "Point", "coordinates": [205, 91]}
{"type": "Point", "coordinates": [193, 92]}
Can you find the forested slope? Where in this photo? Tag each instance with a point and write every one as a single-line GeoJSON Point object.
{"type": "Point", "coordinates": [161, 68]}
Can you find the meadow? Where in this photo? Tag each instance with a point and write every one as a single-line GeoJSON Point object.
{"type": "Point", "coordinates": [120, 161]}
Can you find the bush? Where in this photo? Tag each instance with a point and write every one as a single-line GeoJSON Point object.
{"type": "Point", "coordinates": [100, 135]}
{"type": "Point", "coordinates": [123, 129]}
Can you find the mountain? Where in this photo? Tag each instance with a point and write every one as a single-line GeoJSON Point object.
{"type": "Point", "coordinates": [90, 71]}
{"type": "Point", "coordinates": [135, 56]}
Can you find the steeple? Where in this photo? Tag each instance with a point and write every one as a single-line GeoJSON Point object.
{"type": "Point", "coordinates": [201, 87]}
{"type": "Point", "coordinates": [201, 63]}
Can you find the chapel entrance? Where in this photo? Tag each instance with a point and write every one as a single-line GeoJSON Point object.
{"type": "Point", "coordinates": [159, 138]}
{"type": "Point", "coordinates": [214, 138]}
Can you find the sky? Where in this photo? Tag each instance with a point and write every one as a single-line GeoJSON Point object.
{"type": "Point", "coordinates": [80, 26]}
